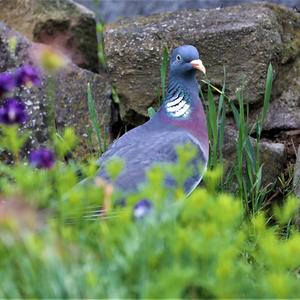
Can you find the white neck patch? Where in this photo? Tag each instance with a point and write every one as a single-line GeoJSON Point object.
{"type": "Point", "coordinates": [177, 107]}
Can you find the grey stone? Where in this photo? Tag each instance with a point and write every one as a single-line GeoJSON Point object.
{"type": "Point", "coordinates": [284, 111]}
{"type": "Point", "coordinates": [112, 10]}
{"type": "Point", "coordinates": [70, 94]}
{"type": "Point", "coordinates": [244, 39]}
{"type": "Point", "coordinates": [63, 23]}
{"type": "Point", "coordinates": [272, 156]}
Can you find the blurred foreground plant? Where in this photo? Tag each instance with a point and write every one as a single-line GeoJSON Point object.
{"type": "Point", "coordinates": [53, 244]}
{"type": "Point", "coordinates": [165, 246]}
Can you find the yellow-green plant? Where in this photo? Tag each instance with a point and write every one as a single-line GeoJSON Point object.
{"type": "Point", "coordinates": [195, 247]}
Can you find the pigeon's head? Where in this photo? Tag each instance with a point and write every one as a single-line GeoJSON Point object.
{"type": "Point", "coordinates": [185, 60]}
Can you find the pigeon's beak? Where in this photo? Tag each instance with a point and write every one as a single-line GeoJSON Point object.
{"type": "Point", "coordinates": [197, 64]}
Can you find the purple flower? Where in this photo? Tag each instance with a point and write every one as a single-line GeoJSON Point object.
{"type": "Point", "coordinates": [42, 158]}
{"type": "Point", "coordinates": [13, 112]}
{"type": "Point", "coordinates": [7, 83]}
{"type": "Point", "coordinates": [27, 75]}
{"type": "Point", "coordinates": [142, 208]}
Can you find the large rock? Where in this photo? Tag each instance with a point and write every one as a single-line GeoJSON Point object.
{"type": "Point", "coordinates": [244, 39]}
{"type": "Point", "coordinates": [62, 23]}
{"type": "Point", "coordinates": [70, 91]}
{"type": "Point", "coordinates": [284, 112]}
{"type": "Point", "coordinates": [112, 10]}
{"type": "Point", "coordinates": [272, 156]}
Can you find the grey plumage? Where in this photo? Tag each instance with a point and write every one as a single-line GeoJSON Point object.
{"type": "Point", "coordinates": [141, 149]}
{"type": "Point", "coordinates": [180, 120]}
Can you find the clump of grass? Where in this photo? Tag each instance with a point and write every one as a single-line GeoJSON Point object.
{"type": "Point", "coordinates": [248, 166]}
{"type": "Point", "coordinates": [216, 124]}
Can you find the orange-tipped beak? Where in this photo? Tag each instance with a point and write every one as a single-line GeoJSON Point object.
{"type": "Point", "coordinates": [197, 64]}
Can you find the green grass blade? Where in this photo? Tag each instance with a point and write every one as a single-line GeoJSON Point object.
{"type": "Point", "coordinates": [94, 117]}
{"type": "Point", "coordinates": [221, 98]}
{"type": "Point", "coordinates": [163, 72]}
{"type": "Point", "coordinates": [212, 118]}
{"type": "Point", "coordinates": [101, 48]}
{"type": "Point", "coordinates": [267, 96]}
{"type": "Point", "coordinates": [221, 119]}
{"type": "Point", "coordinates": [235, 114]}
{"type": "Point", "coordinates": [151, 112]}
{"type": "Point", "coordinates": [251, 154]}
{"type": "Point", "coordinates": [268, 90]}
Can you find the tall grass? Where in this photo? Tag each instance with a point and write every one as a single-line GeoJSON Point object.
{"type": "Point", "coordinates": [247, 167]}
{"type": "Point", "coordinates": [164, 71]}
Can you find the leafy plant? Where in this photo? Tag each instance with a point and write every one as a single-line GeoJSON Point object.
{"type": "Point", "coordinates": [179, 248]}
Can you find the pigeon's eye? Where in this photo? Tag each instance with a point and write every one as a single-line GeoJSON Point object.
{"type": "Point", "coordinates": [178, 57]}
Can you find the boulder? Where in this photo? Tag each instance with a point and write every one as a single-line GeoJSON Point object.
{"type": "Point", "coordinates": [112, 10]}
{"type": "Point", "coordinates": [272, 155]}
{"type": "Point", "coordinates": [284, 112]}
{"type": "Point", "coordinates": [63, 23]}
{"type": "Point", "coordinates": [69, 86]}
{"type": "Point", "coordinates": [244, 39]}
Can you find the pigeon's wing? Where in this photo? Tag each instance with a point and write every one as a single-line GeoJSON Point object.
{"type": "Point", "coordinates": [141, 149]}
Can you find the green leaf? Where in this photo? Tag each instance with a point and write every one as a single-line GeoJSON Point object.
{"type": "Point", "coordinates": [163, 71]}
{"type": "Point", "coordinates": [114, 168]}
{"type": "Point", "coordinates": [267, 96]}
{"type": "Point", "coordinates": [151, 112]}
{"type": "Point", "coordinates": [213, 124]}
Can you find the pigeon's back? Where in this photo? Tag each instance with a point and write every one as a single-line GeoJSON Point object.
{"type": "Point", "coordinates": [144, 147]}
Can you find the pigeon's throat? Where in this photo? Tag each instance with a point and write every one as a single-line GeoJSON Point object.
{"type": "Point", "coordinates": [179, 100]}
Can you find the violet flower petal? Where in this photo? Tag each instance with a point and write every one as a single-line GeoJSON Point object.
{"type": "Point", "coordinates": [27, 75]}
{"type": "Point", "coordinates": [13, 111]}
{"type": "Point", "coordinates": [7, 83]}
{"type": "Point", "coordinates": [142, 208]}
{"type": "Point", "coordinates": [42, 158]}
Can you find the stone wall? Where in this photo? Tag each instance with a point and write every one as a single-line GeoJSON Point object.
{"type": "Point", "coordinates": [244, 39]}
{"type": "Point", "coordinates": [113, 10]}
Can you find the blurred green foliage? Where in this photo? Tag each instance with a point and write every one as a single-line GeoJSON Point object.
{"type": "Point", "coordinates": [195, 247]}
